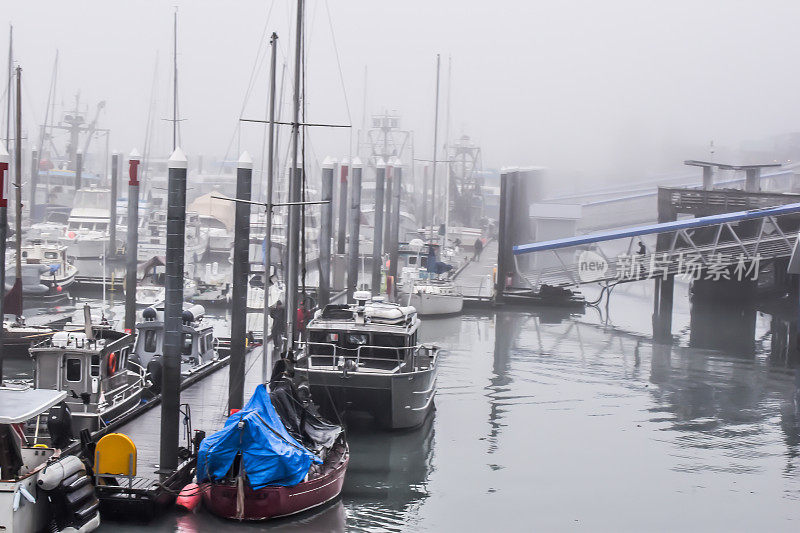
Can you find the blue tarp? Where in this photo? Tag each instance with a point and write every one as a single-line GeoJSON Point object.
{"type": "Point", "coordinates": [270, 455]}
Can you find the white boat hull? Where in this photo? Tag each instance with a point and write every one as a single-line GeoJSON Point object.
{"type": "Point", "coordinates": [436, 304]}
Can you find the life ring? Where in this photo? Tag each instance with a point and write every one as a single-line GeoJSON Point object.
{"type": "Point", "coordinates": [112, 363]}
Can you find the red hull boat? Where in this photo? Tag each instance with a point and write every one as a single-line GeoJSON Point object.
{"type": "Point", "coordinates": [273, 502]}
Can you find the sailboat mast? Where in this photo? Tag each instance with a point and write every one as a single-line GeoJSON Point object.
{"type": "Point", "coordinates": [18, 177]}
{"type": "Point", "coordinates": [267, 362]}
{"type": "Point", "coordinates": [447, 154]}
{"type": "Point", "coordinates": [175, 81]}
{"type": "Point", "coordinates": [435, 144]}
{"type": "Point", "coordinates": [294, 189]}
{"type": "Point", "coordinates": [9, 91]}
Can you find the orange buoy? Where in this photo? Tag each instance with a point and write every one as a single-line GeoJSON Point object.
{"type": "Point", "coordinates": [189, 497]}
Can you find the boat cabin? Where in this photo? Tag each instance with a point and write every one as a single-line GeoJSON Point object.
{"type": "Point", "coordinates": [370, 336]}
{"type": "Point", "coordinates": [199, 343]}
{"type": "Point", "coordinates": [95, 370]}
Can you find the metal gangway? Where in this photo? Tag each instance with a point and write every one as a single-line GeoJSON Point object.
{"type": "Point", "coordinates": [725, 246]}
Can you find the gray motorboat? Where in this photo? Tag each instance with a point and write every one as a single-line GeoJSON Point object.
{"type": "Point", "coordinates": [366, 357]}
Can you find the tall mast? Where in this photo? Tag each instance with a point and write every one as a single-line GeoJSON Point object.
{"type": "Point", "coordinates": [18, 171]}
{"type": "Point", "coordinates": [447, 154]}
{"type": "Point", "coordinates": [267, 363]}
{"type": "Point", "coordinates": [9, 90]}
{"type": "Point", "coordinates": [175, 81]}
{"type": "Point", "coordinates": [294, 189]}
{"type": "Point", "coordinates": [435, 143]}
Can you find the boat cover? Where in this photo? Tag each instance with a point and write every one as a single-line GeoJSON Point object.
{"type": "Point", "coordinates": [270, 456]}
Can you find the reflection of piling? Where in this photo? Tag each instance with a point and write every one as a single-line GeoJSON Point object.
{"type": "Point", "coordinates": [377, 233]}
{"type": "Point", "coordinates": [78, 169]}
{"type": "Point", "coordinates": [241, 242]}
{"type": "Point", "coordinates": [173, 311]}
{"type": "Point", "coordinates": [131, 247]}
{"type": "Point", "coordinates": [33, 181]}
{"type": "Point", "coordinates": [325, 230]}
{"type": "Point", "coordinates": [355, 224]}
{"type": "Point", "coordinates": [3, 234]}
{"type": "Point", "coordinates": [112, 228]}
{"type": "Point", "coordinates": [342, 236]}
{"type": "Point", "coordinates": [394, 234]}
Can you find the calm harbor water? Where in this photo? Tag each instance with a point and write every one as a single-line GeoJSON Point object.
{"type": "Point", "coordinates": [558, 421]}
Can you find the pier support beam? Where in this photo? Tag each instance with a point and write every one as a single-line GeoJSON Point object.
{"type": "Point", "coordinates": [34, 180]}
{"type": "Point", "coordinates": [355, 225]}
{"type": "Point", "coordinates": [387, 193]}
{"type": "Point", "coordinates": [377, 233]}
{"type": "Point", "coordinates": [112, 222]}
{"type": "Point", "coordinates": [78, 169]}
{"type": "Point", "coordinates": [342, 229]}
{"type": "Point", "coordinates": [505, 258]}
{"type": "Point", "coordinates": [708, 178]}
{"type": "Point", "coordinates": [4, 160]}
{"type": "Point", "coordinates": [173, 312]}
{"type": "Point", "coordinates": [325, 226]}
{"type": "Point", "coordinates": [394, 223]}
{"type": "Point", "coordinates": [132, 243]}
{"type": "Point", "coordinates": [752, 179]}
{"type": "Point", "coordinates": [241, 242]}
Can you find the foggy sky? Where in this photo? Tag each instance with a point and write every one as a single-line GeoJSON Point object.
{"type": "Point", "coordinates": [613, 89]}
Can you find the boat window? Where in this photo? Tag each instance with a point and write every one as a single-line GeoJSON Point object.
{"type": "Point", "coordinates": [202, 344]}
{"type": "Point", "coordinates": [150, 340]}
{"type": "Point", "coordinates": [424, 261]}
{"type": "Point", "coordinates": [47, 255]}
{"type": "Point", "coordinates": [412, 260]}
{"type": "Point", "coordinates": [123, 358]}
{"type": "Point", "coordinates": [94, 368]}
{"type": "Point", "coordinates": [187, 344]}
{"type": "Point", "coordinates": [73, 369]}
{"type": "Point", "coordinates": [355, 339]}
{"type": "Point", "coordinates": [210, 341]}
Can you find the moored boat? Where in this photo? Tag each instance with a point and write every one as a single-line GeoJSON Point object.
{"type": "Point", "coordinates": [273, 458]}
{"type": "Point", "coordinates": [366, 357]}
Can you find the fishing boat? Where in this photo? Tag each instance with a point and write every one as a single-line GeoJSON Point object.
{"type": "Point", "coordinates": [199, 344]}
{"type": "Point", "coordinates": [420, 284]}
{"type": "Point", "coordinates": [18, 336]}
{"type": "Point", "coordinates": [97, 369]}
{"type": "Point", "coordinates": [50, 261]}
{"type": "Point", "coordinates": [87, 232]}
{"type": "Point", "coordinates": [40, 490]}
{"type": "Point", "coordinates": [274, 458]}
{"type": "Point", "coordinates": [153, 241]}
{"type": "Point", "coordinates": [150, 290]}
{"type": "Point", "coordinates": [366, 357]}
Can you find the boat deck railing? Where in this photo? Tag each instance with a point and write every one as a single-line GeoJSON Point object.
{"type": "Point", "coordinates": [391, 358]}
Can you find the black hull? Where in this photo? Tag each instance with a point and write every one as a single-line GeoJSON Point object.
{"type": "Point", "coordinates": [396, 401]}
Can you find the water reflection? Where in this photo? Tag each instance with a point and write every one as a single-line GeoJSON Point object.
{"type": "Point", "coordinates": [387, 479]}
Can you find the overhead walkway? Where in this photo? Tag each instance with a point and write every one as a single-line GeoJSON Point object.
{"type": "Point", "coordinates": [724, 246]}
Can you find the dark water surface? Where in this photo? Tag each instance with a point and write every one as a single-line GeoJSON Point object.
{"type": "Point", "coordinates": [555, 421]}
{"type": "Point", "coordinates": [551, 422]}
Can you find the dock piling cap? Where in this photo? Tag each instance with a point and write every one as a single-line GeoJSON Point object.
{"type": "Point", "coordinates": [3, 154]}
{"type": "Point", "coordinates": [380, 163]}
{"type": "Point", "coordinates": [357, 162]}
{"type": "Point", "coordinates": [135, 155]}
{"type": "Point", "coordinates": [329, 163]}
{"type": "Point", "coordinates": [245, 161]}
{"type": "Point", "coordinates": [178, 159]}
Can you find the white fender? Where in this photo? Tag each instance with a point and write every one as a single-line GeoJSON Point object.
{"type": "Point", "coordinates": [55, 473]}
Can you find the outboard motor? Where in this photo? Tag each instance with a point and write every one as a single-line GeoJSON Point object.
{"type": "Point", "coordinates": [73, 504]}
{"type": "Point", "coordinates": [59, 425]}
{"type": "Point", "coordinates": [155, 369]}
